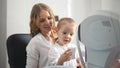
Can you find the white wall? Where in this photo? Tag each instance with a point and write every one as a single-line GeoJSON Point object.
{"type": "Point", "coordinates": [18, 16]}
{"type": "Point", "coordinates": [3, 33]}
{"type": "Point", "coordinates": [84, 8]}
{"type": "Point", "coordinates": [111, 5]}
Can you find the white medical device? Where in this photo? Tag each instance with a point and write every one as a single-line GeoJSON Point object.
{"type": "Point", "coordinates": [101, 36]}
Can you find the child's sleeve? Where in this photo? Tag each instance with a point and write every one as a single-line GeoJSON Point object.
{"type": "Point", "coordinates": [72, 63]}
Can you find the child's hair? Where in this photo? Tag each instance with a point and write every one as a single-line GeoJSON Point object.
{"type": "Point", "coordinates": [63, 21]}
{"type": "Point", "coordinates": [36, 10]}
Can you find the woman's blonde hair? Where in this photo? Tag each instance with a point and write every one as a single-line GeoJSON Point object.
{"type": "Point", "coordinates": [36, 10]}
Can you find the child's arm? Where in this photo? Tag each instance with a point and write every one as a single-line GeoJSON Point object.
{"type": "Point", "coordinates": [79, 65]}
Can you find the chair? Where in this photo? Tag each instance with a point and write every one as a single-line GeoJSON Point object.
{"type": "Point", "coordinates": [16, 48]}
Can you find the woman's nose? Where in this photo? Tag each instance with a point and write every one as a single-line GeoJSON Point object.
{"type": "Point", "coordinates": [47, 21]}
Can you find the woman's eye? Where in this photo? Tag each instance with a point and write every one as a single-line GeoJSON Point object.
{"type": "Point", "coordinates": [42, 20]}
{"type": "Point", "coordinates": [49, 17]}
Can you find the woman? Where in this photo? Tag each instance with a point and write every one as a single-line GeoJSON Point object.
{"type": "Point", "coordinates": [42, 24]}
{"type": "Point", "coordinates": [42, 28]}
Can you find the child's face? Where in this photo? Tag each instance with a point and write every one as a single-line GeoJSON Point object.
{"type": "Point", "coordinates": [66, 33]}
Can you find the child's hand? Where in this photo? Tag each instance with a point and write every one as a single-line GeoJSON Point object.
{"type": "Point", "coordinates": [116, 64]}
{"type": "Point", "coordinates": [79, 65]}
{"type": "Point", "coordinates": [66, 56]}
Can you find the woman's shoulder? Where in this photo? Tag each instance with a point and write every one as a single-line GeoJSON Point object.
{"type": "Point", "coordinates": [38, 36]}
{"type": "Point", "coordinates": [35, 40]}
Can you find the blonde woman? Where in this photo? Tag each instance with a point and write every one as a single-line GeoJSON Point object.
{"type": "Point", "coordinates": [42, 25]}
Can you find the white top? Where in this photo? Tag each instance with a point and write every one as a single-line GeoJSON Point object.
{"type": "Point", "coordinates": [56, 51]}
{"type": "Point", "coordinates": [37, 51]}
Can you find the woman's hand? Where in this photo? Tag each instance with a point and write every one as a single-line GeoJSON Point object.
{"type": "Point", "coordinates": [66, 56]}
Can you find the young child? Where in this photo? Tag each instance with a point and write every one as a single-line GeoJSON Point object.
{"type": "Point", "coordinates": [61, 52]}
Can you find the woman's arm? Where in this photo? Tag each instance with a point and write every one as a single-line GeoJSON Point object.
{"type": "Point", "coordinates": [32, 56]}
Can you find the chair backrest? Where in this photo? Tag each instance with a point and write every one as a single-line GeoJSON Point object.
{"type": "Point", "coordinates": [16, 48]}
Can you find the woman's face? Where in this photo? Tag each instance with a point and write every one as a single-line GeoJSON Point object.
{"type": "Point", "coordinates": [44, 22]}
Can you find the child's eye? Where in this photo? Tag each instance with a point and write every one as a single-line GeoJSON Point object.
{"type": "Point", "coordinates": [64, 32]}
{"type": "Point", "coordinates": [71, 34]}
